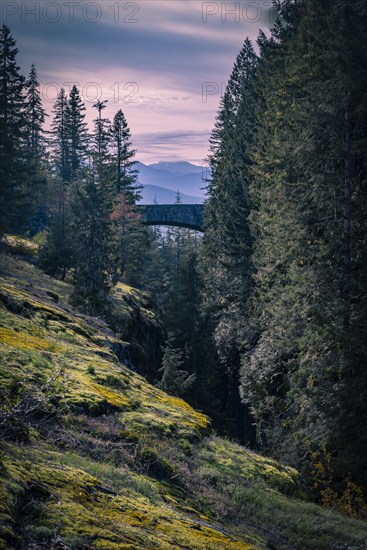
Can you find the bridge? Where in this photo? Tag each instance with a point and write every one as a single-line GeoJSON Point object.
{"type": "Point", "coordinates": [181, 215]}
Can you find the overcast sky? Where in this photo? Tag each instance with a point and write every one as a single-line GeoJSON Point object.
{"type": "Point", "coordinates": [163, 62]}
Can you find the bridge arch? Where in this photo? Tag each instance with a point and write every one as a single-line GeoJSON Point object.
{"type": "Point", "coordinates": [179, 215]}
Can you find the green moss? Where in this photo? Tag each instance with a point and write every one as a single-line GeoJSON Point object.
{"type": "Point", "coordinates": [156, 465]}
{"type": "Point", "coordinates": [138, 468]}
{"type": "Point", "coordinates": [20, 245]}
{"type": "Point", "coordinates": [9, 337]}
{"type": "Point", "coordinates": [229, 459]}
{"type": "Point", "coordinates": [75, 505]}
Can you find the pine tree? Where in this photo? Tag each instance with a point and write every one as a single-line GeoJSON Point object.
{"type": "Point", "coordinates": [93, 244]}
{"type": "Point", "coordinates": [57, 253]}
{"type": "Point", "coordinates": [123, 154]}
{"type": "Point", "coordinates": [300, 376]}
{"type": "Point", "coordinates": [228, 240]}
{"type": "Point", "coordinates": [274, 226]}
{"type": "Point", "coordinates": [59, 140]}
{"type": "Point", "coordinates": [93, 226]}
{"type": "Point", "coordinates": [35, 149]}
{"type": "Point", "coordinates": [101, 142]}
{"type": "Point", "coordinates": [76, 132]}
{"type": "Point", "coordinates": [134, 242]}
{"type": "Point", "coordinates": [15, 193]}
{"type": "Point", "coordinates": [174, 380]}
{"type": "Point", "coordinates": [35, 114]}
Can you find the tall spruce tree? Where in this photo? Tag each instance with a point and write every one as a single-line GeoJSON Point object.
{"type": "Point", "coordinates": [134, 241]}
{"type": "Point", "coordinates": [76, 132]}
{"type": "Point", "coordinates": [227, 242]}
{"type": "Point", "coordinates": [299, 376]}
{"type": "Point", "coordinates": [59, 139]}
{"type": "Point", "coordinates": [93, 244]}
{"type": "Point", "coordinates": [123, 155]}
{"type": "Point", "coordinates": [15, 192]}
{"type": "Point", "coordinates": [58, 249]}
{"type": "Point", "coordinates": [35, 114]}
{"type": "Point", "coordinates": [100, 142]}
{"type": "Point", "coordinates": [93, 225]}
{"type": "Point", "coordinates": [35, 149]}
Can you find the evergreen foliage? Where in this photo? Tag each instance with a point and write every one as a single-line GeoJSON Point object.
{"type": "Point", "coordinates": [77, 134]}
{"type": "Point", "coordinates": [294, 311]}
{"type": "Point", "coordinates": [267, 312]}
{"type": "Point", "coordinates": [126, 174]}
{"type": "Point", "coordinates": [35, 151]}
{"type": "Point", "coordinates": [14, 198]}
{"type": "Point", "coordinates": [133, 238]}
{"type": "Point", "coordinates": [59, 140]}
{"type": "Point", "coordinates": [93, 244]}
{"type": "Point", "coordinates": [35, 114]}
{"type": "Point", "coordinates": [174, 380]}
{"type": "Point", "coordinates": [57, 253]}
{"type": "Point", "coordinates": [228, 241]}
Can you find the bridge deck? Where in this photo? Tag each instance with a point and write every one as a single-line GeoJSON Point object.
{"type": "Point", "coordinates": [181, 215]}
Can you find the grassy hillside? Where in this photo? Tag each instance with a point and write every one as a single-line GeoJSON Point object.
{"type": "Point", "coordinates": [94, 457]}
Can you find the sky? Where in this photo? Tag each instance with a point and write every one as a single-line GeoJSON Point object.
{"type": "Point", "coordinates": [165, 63]}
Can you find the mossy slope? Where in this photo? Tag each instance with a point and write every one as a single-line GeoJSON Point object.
{"type": "Point", "coordinates": [111, 462]}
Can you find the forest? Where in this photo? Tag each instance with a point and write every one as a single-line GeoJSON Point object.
{"type": "Point", "coordinates": [262, 313]}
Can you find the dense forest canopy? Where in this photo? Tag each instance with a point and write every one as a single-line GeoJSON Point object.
{"type": "Point", "coordinates": [285, 244]}
{"type": "Point", "coordinates": [265, 315]}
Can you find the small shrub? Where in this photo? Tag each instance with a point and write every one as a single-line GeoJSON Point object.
{"type": "Point", "coordinates": [114, 381]}
{"type": "Point", "coordinates": [349, 501]}
{"type": "Point", "coordinates": [185, 445]}
{"type": "Point", "coordinates": [91, 370]}
{"type": "Point", "coordinates": [40, 533]}
{"type": "Point", "coordinates": [156, 465]}
{"type": "Point", "coordinates": [129, 436]}
{"type": "Point", "coordinates": [76, 542]}
{"type": "Point", "coordinates": [23, 403]}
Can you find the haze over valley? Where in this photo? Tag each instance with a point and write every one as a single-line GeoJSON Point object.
{"type": "Point", "coordinates": [163, 180]}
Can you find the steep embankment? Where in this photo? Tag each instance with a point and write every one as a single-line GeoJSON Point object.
{"type": "Point", "coordinates": [92, 456]}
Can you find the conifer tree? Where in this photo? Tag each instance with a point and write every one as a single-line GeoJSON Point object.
{"type": "Point", "coordinates": [59, 140]}
{"type": "Point", "coordinates": [307, 221]}
{"type": "Point", "coordinates": [93, 226]}
{"type": "Point", "coordinates": [35, 114]}
{"type": "Point", "coordinates": [76, 131]}
{"type": "Point", "coordinates": [134, 241]}
{"type": "Point", "coordinates": [35, 149]}
{"type": "Point", "coordinates": [15, 193]}
{"type": "Point", "coordinates": [123, 155]}
{"type": "Point", "coordinates": [228, 240]}
{"type": "Point", "coordinates": [93, 244]}
{"type": "Point", "coordinates": [174, 380]}
{"type": "Point", "coordinates": [101, 142]}
{"type": "Point", "coordinates": [57, 253]}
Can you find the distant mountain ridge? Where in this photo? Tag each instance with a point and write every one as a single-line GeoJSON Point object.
{"type": "Point", "coordinates": [162, 180]}
{"type": "Point", "coordinates": [154, 194]}
{"type": "Point", "coordinates": [182, 167]}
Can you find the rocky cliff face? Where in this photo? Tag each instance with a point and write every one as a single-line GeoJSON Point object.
{"type": "Point", "coordinates": [136, 322]}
